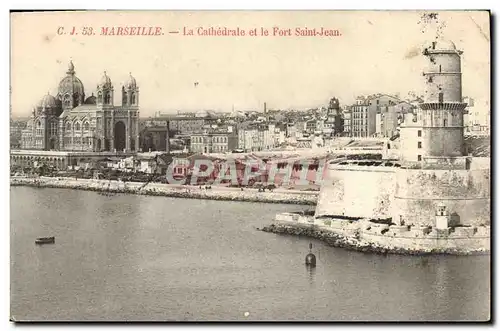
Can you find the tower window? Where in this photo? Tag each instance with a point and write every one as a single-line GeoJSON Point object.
{"type": "Point", "coordinates": [99, 97]}
{"type": "Point", "coordinates": [444, 122]}
{"type": "Point", "coordinates": [419, 157]}
{"type": "Point", "coordinates": [439, 68]}
{"type": "Point", "coordinates": [419, 133]}
{"type": "Point", "coordinates": [124, 98]}
{"type": "Point", "coordinates": [107, 98]}
{"type": "Point", "coordinates": [132, 99]}
{"type": "Point", "coordinates": [419, 144]}
{"type": "Point", "coordinates": [440, 96]}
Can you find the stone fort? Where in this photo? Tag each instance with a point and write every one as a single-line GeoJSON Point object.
{"type": "Point", "coordinates": [432, 185]}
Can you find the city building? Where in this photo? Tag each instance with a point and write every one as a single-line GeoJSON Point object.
{"type": "Point", "coordinates": [213, 141]}
{"type": "Point", "coordinates": [335, 119]}
{"type": "Point", "coordinates": [155, 138]}
{"type": "Point", "coordinates": [254, 136]}
{"type": "Point", "coordinates": [16, 129]}
{"type": "Point", "coordinates": [184, 123]}
{"type": "Point", "coordinates": [391, 118]}
{"type": "Point", "coordinates": [311, 126]}
{"type": "Point", "coordinates": [477, 117]}
{"type": "Point", "coordinates": [71, 122]}
{"type": "Point", "coordinates": [347, 116]}
{"type": "Point", "coordinates": [364, 114]}
{"type": "Point", "coordinates": [359, 118]}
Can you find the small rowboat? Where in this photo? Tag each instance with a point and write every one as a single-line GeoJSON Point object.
{"type": "Point", "coordinates": [45, 240]}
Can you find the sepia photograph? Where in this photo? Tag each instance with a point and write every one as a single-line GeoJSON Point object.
{"type": "Point", "coordinates": [250, 166]}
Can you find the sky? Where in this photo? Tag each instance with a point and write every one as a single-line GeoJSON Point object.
{"type": "Point", "coordinates": [377, 52]}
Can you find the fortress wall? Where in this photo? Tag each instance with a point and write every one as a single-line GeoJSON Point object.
{"type": "Point", "coordinates": [363, 191]}
{"type": "Point", "coordinates": [465, 193]}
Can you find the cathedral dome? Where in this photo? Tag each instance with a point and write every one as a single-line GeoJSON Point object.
{"type": "Point", "coordinates": [90, 100]}
{"type": "Point", "coordinates": [48, 101]}
{"type": "Point", "coordinates": [70, 84]}
{"type": "Point", "coordinates": [131, 83]}
{"type": "Point", "coordinates": [105, 81]}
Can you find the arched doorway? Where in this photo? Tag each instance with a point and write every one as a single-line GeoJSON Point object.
{"type": "Point", "coordinates": [120, 136]}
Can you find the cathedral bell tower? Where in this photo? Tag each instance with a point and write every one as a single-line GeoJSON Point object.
{"type": "Point", "coordinates": [130, 94]}
{"type": "Point", "coordinates": [105, 92]}
{"type": "Point", "coordinates": [130, 102]}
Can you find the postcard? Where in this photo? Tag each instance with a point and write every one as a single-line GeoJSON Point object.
{"type": "Point", "coordinates": [250, 166]}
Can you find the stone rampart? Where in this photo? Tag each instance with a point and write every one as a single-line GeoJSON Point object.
{"type": "Point", "coordinates": [357, 191]}
{"type": "Point", "coordinates": [465, 193]}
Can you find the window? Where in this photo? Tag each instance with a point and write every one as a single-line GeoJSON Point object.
{"type": "Point", "coordinates": [39, 130]}
{"type": "Point", "coordinates": [419, 144]}
{"type": "Point", "coordinates": [77, 126]}
{"type": "Point", "coordinates": [440, 96]}
{"type": "Point", "coordinates": [132, 99]}
{"type": "Point", "coordinates": [419, 133]}
{"type": "Point", "coordinates": [99, 97]}
{"type": "Point", "coordinates": [439, 68]}
{"type": "Point", "coordinates": [107, 98]}
{"type": "Point", "coordinates": [419, 157]}
{"type": "Point", "coordinates": [444, 122]}
{"type": "Point", "coordinates": [86, 126]}
{"type": "Point", "coordinates": [53, 128]}
{"type": "Point", "coordinates": [67, 100]}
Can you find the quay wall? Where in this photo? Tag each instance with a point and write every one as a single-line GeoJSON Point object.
{"type": "Point", "coordinates": [176, 191]}
{"type": "Point", "coordinates": [365, 235]}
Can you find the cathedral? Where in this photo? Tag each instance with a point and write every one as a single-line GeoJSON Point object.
{"type": "Point", "coordinates": [71, 122]}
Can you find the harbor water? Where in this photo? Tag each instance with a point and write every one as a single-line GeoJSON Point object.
{"type": "Point", "coordinates": [147, 258]}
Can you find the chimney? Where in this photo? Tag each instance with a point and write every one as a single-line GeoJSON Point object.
{"type": "Point", "coordinates": [265, 108]}
{"type": "Point", "coordinates": [167, 139]}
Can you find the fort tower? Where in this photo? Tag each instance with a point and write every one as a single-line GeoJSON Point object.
{"type": "Point", "coordinates": [436, 130]}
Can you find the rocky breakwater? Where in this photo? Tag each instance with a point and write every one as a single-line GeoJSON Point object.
{"type": "Point", "coordinates": [367, 236]}
{"type": "Point", "coordinates": [281, 196]}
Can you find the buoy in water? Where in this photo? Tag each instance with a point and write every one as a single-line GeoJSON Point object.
{"type": "Point", "coordinates": [310, 258]}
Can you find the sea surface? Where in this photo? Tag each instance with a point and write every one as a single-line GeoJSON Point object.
{"type": "Point", "coordinates": [144, 258]}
